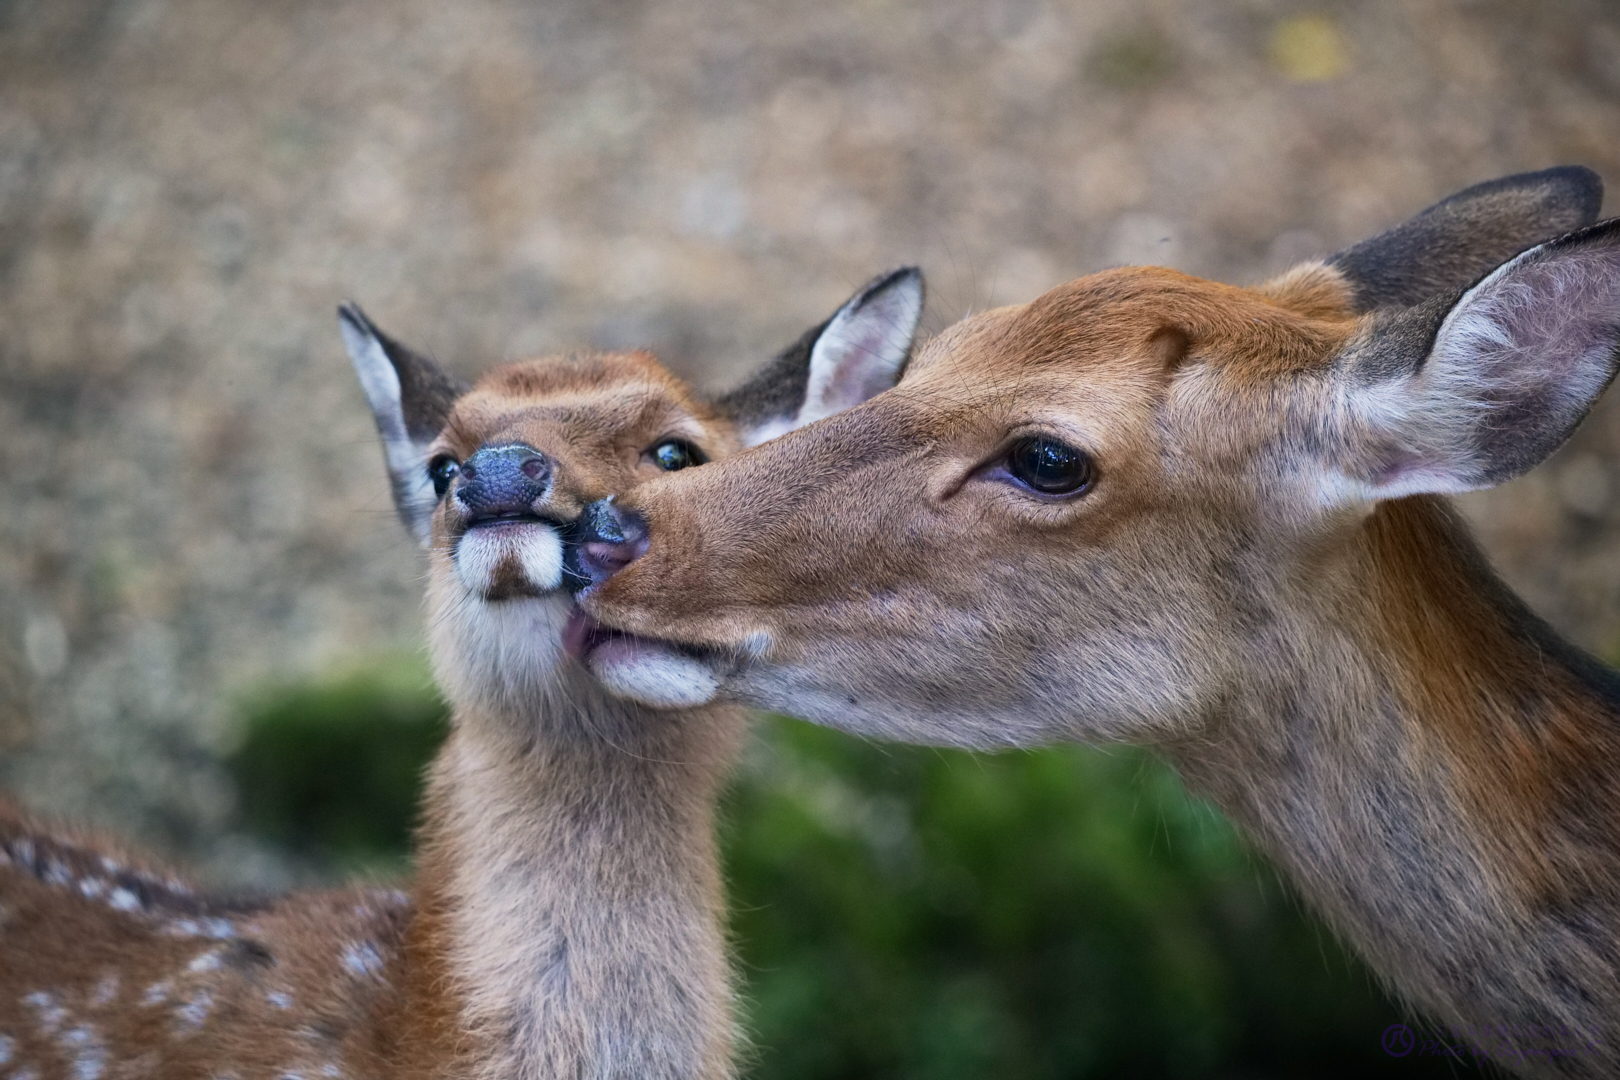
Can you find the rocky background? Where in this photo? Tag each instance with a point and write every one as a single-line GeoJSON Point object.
{"type": "Point", "coordinates": [191, 501]}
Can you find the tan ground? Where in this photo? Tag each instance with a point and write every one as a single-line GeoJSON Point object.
{"type": "Point", "coordinates": [190, 496]}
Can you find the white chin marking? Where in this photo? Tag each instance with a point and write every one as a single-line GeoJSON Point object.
{"type": "Point", "coordinates": [537, 549]}
{"type": "Point", "coordinates": [652, 674]}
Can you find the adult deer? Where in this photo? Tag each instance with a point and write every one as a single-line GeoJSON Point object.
{"type": "Point", "coordinates": [565, 919]}
{"type": "Point", "coordinates": [1209, 519]}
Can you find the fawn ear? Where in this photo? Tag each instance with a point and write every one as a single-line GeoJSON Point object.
{"type": "Point", "coordinates": [857, 353]}
{"type": "Point", "coordinates": [1457, 241]}
{"type": "Point", "coordinates": [1453, 396]}
{"type": "Point", "coordinates": [410, 398]}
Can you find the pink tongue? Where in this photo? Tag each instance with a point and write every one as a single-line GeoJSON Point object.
{"type": "Point", "coordinates": [579, 634]}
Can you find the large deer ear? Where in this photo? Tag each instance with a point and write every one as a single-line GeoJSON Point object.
{"type": "Point", "coordinates": [1454, 396]}
{"type": "Point", "coordinates": [410, 398]}
{"type": "Point", "coordinates": [1455, 242]}
{"type": "Point", "coordinates": [857, 353]}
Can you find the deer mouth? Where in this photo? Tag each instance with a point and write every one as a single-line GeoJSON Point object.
{"type": "Point", "coordinates": [653, 672]}
{"type": "Point", "coordinates": [502, 521]}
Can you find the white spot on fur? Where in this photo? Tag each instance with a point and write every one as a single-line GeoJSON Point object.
{"type": "Point", "coordinates": [652, 674]}
{"type": "Point", "coordinates": [92, 887]}
{"type": "Point", "coordinates": [194, 1013]}
{"type": "Point", "coordinates": [89, 1057]}
{"type": "Point", "coordinates": [362, 958]}
{"type": "Point", "coordinates": [279, 999]}
{"type": "Point", "coordinates": [208, 961]}
{"type": "Point", "coordinates": [7, 1048]}
{"type": "Point", "coordinates": [51, 1015]}
{"type": "Point", "coordinates": [157, 993]}
{"type": "Point", "coordinates": [537, 549]}
{"type": "Point", "coordinates": [218, 929]}
{"type": "Point", "coordinates": [106, 990]}
{"type": "Point", "coordinates": [123, 900]}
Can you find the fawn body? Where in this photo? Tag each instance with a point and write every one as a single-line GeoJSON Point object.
{"type": "Point", "coordinates": [1153, 508]}
{"type": "Point", "coordinates": [565, 917]}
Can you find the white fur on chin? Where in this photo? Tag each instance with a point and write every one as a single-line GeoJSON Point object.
{"type": "Point", "coordinates": [537, 548]}
{"type": "Point", "coordinates": [652, 674]}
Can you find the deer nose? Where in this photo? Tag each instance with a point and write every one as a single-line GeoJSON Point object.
{"type": "Point", "coordinates": [604, 539]}
{"type": "Point", "coordinates": [503, 482]}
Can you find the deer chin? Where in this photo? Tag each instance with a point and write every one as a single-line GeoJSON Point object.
{"type": "Point", "coordinates": [506, 559]}
{"type": "Point", "coordinates": [656, 673]}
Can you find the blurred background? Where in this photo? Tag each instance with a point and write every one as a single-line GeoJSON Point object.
{"type": "Point", "coordinates": [209, 616]}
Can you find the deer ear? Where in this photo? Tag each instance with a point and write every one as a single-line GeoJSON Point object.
{"type": "Point", "coordinates": [1451, 397]}
{"type": "Point", "coordinates": [1457, 241]}
{"type": "Point", "coordinates": [857, 353]}
{"type": "Point", "coordinates": [410, 398]}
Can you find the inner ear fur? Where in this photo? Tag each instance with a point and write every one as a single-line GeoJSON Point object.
{"type": "Point", "coordinates": [858, 352]}
{"type": "Point", "coordinates": [1460, 239]}
{"type": "Point", "coordinates": [411, 398]}
{"type": "Point", "coordinates": [1456, 395]}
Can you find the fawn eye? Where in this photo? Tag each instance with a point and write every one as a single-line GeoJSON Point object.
{"type": "Point", "coordinates": [676, 454]}
{"type": "Point", "coordinates": [442, 470]}
{"type": "Point", "coordinates": [1050, 467]}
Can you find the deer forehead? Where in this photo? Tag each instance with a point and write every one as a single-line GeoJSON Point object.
{"type": "Point", "coordinates": [593, 403]}
{"type": "Point", "coordinates": [1101, 355]}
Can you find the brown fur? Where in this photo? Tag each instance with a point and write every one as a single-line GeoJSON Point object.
{"type": "Point", "coordinates": [1437, 772]}
{"type": "Point", "coordinates": [565, 918]}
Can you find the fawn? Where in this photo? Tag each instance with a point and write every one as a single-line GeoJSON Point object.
{"type": "Point", "coordinates": [565, 917]}
{"type": "Point", "coordinates": [1211, 520]}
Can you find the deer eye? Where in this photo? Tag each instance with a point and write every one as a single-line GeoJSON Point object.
{"type": "Point", "coordinates": [1050, 467]}
{"type": "Point", "coordinates": [673, 454]}
{"type": "Point", "coordinates": [442, 470]}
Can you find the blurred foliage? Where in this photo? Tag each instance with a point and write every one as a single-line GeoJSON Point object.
{"type": "Point", "coordinates": [912, 913]}
{"type": "Point", "coordinates": [330, 771]}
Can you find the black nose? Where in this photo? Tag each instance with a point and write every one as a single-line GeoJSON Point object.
{"type": "Point", "coordinates": [604, 539]}
{"type": "Point", "coordinates": [503, 482]}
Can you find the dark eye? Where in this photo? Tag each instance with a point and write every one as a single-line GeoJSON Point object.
{"type": "Point", "coordinates": [442, 470]}
{"type": "Point", "coordinates": [1050, 467]}
{"type": "Point", "coordinates": [676, 454]}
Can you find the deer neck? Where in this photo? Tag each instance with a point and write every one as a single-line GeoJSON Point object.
{"type": "Point", "coordinates": [1436, 768]}
{"type": "Point", "coordinates": [570, 888]}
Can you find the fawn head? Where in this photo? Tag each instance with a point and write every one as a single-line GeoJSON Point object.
{"type": "Point", "coordinates": [1089, 515]}
{"type": "Point", "coordinates": [510, 482]}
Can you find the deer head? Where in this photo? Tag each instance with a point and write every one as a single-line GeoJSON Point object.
{"type": "Point", "coordinates": [1093, 514]}
{"type": "Point", "coordinates": [495, 478]}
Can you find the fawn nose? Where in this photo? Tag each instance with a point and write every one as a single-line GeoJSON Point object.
{"type": "Point", "coordinates": [603, 540]}
{"type": "Point", "coordinates": [503, 482]}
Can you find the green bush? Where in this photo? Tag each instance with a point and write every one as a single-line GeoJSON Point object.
{"type": "Point", "coordinates": [917, 914]}
{"type": "Point", "coordinates": [331, 771]}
